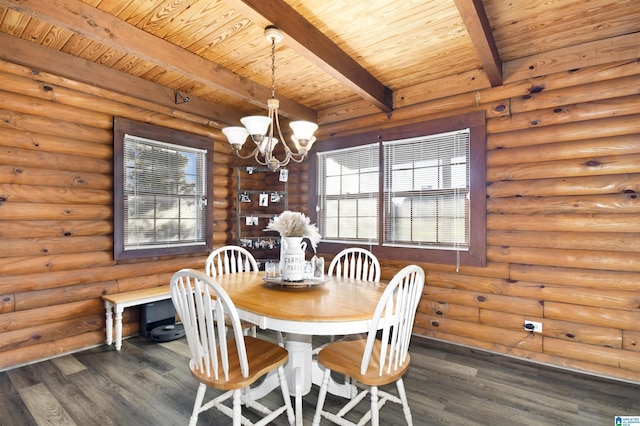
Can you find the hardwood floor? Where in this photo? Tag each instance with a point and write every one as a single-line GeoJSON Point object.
{"type": "Point", "coordinates": [149, 384]}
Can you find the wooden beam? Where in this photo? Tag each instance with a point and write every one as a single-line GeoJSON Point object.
{"type": "Point", "coordinates": [475, 19]}
{"type": "Point", "coordinates": [104, 28]}
{"type": "Point", "coordinates": [312, 44]}
{"type": "Point", "coordinates": [43, 59]}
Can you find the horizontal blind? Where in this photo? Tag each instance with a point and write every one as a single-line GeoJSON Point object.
{"type": "Point", "coordinates": [164, 194]}
{"type": "Point", "coordinates": [426, 191]}
{"type": "Point", "coordinates": [348, 194]}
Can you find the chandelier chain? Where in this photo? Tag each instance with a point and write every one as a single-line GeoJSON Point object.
{"type": "Point", "coordinates": [273, 68]}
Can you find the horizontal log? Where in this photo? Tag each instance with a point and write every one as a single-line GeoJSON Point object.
{"type": "Point", "coordinates": [38, 160]}
{"type": "Point", "coordinates": [593, 166]}
{"type": "Point", "coordinates": [432, 308]}
{"type": "Point", "coordinates": [624, 360]}
{"type": "Point", "coordinates": [7, 303]}
{"type": "Point", "coordinates": [60, 295]}
{"type": "Point", "coordinates": [495, 335]}
{"type": "Point", "coordinates": [53, 228]}
{"type": "Point", "coordinates": [555, 361]}
{"type": "Point", "coordinates": [570, 331]}
{"type": "Point", "coordinates": [54, 194]}
{"type": "Point", "coordinates": [44, 108]}
{"type": "Point", "coordinates": [46, 350]}
{"type": "Point", "coordinates": [41, 211]}
{"type": "Point", "coordinates": [582, 185]}
{"type": "Point", "coordinates": [52, 263]}
{"type": "Point", "coordinates": [54, 144]}
{"type": "Point", "coordinates": [569, 58]}
{"type": "Point", "coordinates": [32, 247]}
{"type": "Point", "coordinates": [611, 241]}
{"type": "Point", "coordinates": [43, 280]}
{"type": "Point", "coordinates": [567, 113]}
{"type": "Point", "coordinates": [58, 178]}
{"type": "Point", "coordinates": [347, 111]}
{"type": "Point", "coordinates": [625, 203]}
{"type": "Point", "coordinates": [601, 128]}
{"type": "Point", "coordinates": [601, 317]}
{"type": "Point", "coordinates": [587, 259]}
{"type": "Point", "coordinates": [585, 148]}
{"type": "Point", "coordinates": [48, 314]}
{"type": "Point", "coordinates": [29, 336]}
{"type": "Point", "coordinates": [565, 222]}
{"type": "Point", "coordinates": [50, 126]}
{"type": "Point", "coordinates": [586, 278]}
{"type": "Point", "coordinates": [159, 98]}
{"type": "Point", "coordinates": [146, 281]}
{"type": "Point", "coordinates": [631, 340]}
{"type": "Point", "coordinates": [483, 300]}
{"type": "Point", "coordinates": [466, 82]}
{"type": "Point", "coordinates": [602, 92]}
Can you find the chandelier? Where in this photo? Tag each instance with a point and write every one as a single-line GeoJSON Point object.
{"type": "Point", "coordinates": [262, 129]}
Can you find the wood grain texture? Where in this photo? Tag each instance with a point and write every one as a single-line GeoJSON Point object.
{"type": "Point", "coordinates": [150, 383]}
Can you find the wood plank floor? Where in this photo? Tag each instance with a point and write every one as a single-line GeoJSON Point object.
{"type": "Point", "coordinates": [149, 384]}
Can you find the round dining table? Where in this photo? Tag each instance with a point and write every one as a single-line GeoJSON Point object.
{"type": "Point", "coordinates": [327, 306]}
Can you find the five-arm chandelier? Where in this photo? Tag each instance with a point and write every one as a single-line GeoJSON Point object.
{"type": "Point", "coordinates": [261, 128]}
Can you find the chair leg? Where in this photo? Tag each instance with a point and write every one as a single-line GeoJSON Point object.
{"type": "Point", "coordinates": [321, 397]}
{"type": "Point", "coordinates": [197, 404]}
{"type": "Point", "coordinates": [405, 404]}
{"type": "Point", "coordinates": [375, 410]}
{"type": "Point", "coordinates": [285, 395]}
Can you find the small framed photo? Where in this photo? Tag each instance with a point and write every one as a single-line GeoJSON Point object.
{"type": "Point", "coordinates": [264, 200]}
{"type": "Point", "coordinates": [244, 198]}
{"type": "Point", "coordinates": [284, 175]}
{"type": "Point", "coordinates": [275, 197]}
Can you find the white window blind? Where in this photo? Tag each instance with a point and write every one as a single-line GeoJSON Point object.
{"type": "Point", "coordinates": [164, 194]}
{"type": "Point", "coordinates": [426, 191]}
{"type": "Point", "coordinates": [348, 194]}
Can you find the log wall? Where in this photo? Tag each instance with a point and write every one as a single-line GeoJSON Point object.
{"type": "Point", "coordinates": [563, 235]}
{"type": "Point", "coordinates": [563, 174]}
{"type": "Point", "coordinates": [56, 212]}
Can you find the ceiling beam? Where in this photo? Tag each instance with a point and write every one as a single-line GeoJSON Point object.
{"type": "Point", "coordinates": [313, 45]}
{"type": "Point", "coordinates": [104, 28]}
{"type": "Point", "coordinates": [42, 59]}
{"type": "Point", "coordinates": [475, 19]}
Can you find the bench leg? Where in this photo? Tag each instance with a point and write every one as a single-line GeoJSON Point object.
{"type": "Point", "coordinates": [118, 316]}
{"type": "Point", "coordinates": [108, 322]}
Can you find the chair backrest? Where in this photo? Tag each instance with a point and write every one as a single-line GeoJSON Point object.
{"type": "Point", "coordinates": [205, 325]}
{"type": "Point", "coordinates": [229, 259]}
{"type": "Point", "coordinates": [396, 310]}
{"type": "Point", "coordinates": [355, 263]}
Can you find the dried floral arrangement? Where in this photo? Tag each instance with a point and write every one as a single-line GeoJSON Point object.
{"type": "Point", "coordinates": [295, 224]}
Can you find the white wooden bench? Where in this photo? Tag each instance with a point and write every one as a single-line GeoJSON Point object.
{"type": "Point", "coordinates": [115, 303]}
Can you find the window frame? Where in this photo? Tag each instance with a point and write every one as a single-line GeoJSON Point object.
{"type": "Point", "coordinates": [476, 254]}
{"type": "Point", "coordinates": [122, 127]}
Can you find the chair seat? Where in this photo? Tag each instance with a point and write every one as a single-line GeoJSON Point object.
{"type": "Point", "coordinates": [345, 357]}
{"type": "Point", "coordinates": [263, 357]}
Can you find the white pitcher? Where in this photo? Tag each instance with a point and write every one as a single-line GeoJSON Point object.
{"type": "Point", "coordinates": [293, 261]}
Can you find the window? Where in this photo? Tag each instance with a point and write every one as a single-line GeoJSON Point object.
{"type": "Point", "coordinates": [414, 192]}
{"type": "Point", "coordinates": [162, 191]}
{"type": "Point", "coordinates": [348, 180]}
{"type": "Point", "coordinates": [426, 191]}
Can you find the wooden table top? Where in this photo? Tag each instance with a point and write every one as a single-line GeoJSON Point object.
{"type": "Point", "coordinates": [336, 300]}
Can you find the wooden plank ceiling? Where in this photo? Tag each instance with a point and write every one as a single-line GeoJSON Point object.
{"type": "Point", "coordinates": [335, 53]}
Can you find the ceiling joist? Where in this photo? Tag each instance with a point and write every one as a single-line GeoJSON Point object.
{"type": "Point", "coordinates": [104, 28]}
{"type": "Point", "coordinates": [475, 20]}
{"type": "Point", "coordinates": [317, 48]}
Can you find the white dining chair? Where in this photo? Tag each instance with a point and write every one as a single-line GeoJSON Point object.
{"type": "Point", "coordinates": [226, 361]}
{"type": "Point", "coordinates": [357, 263]}
{"type": "Point", "coordinates": [231, 259]}
{"type": "Point", "coordinates": [374, 362]}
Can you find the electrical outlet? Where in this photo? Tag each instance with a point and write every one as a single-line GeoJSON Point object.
{"type": "Point", "coordinates": [537, 326]}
